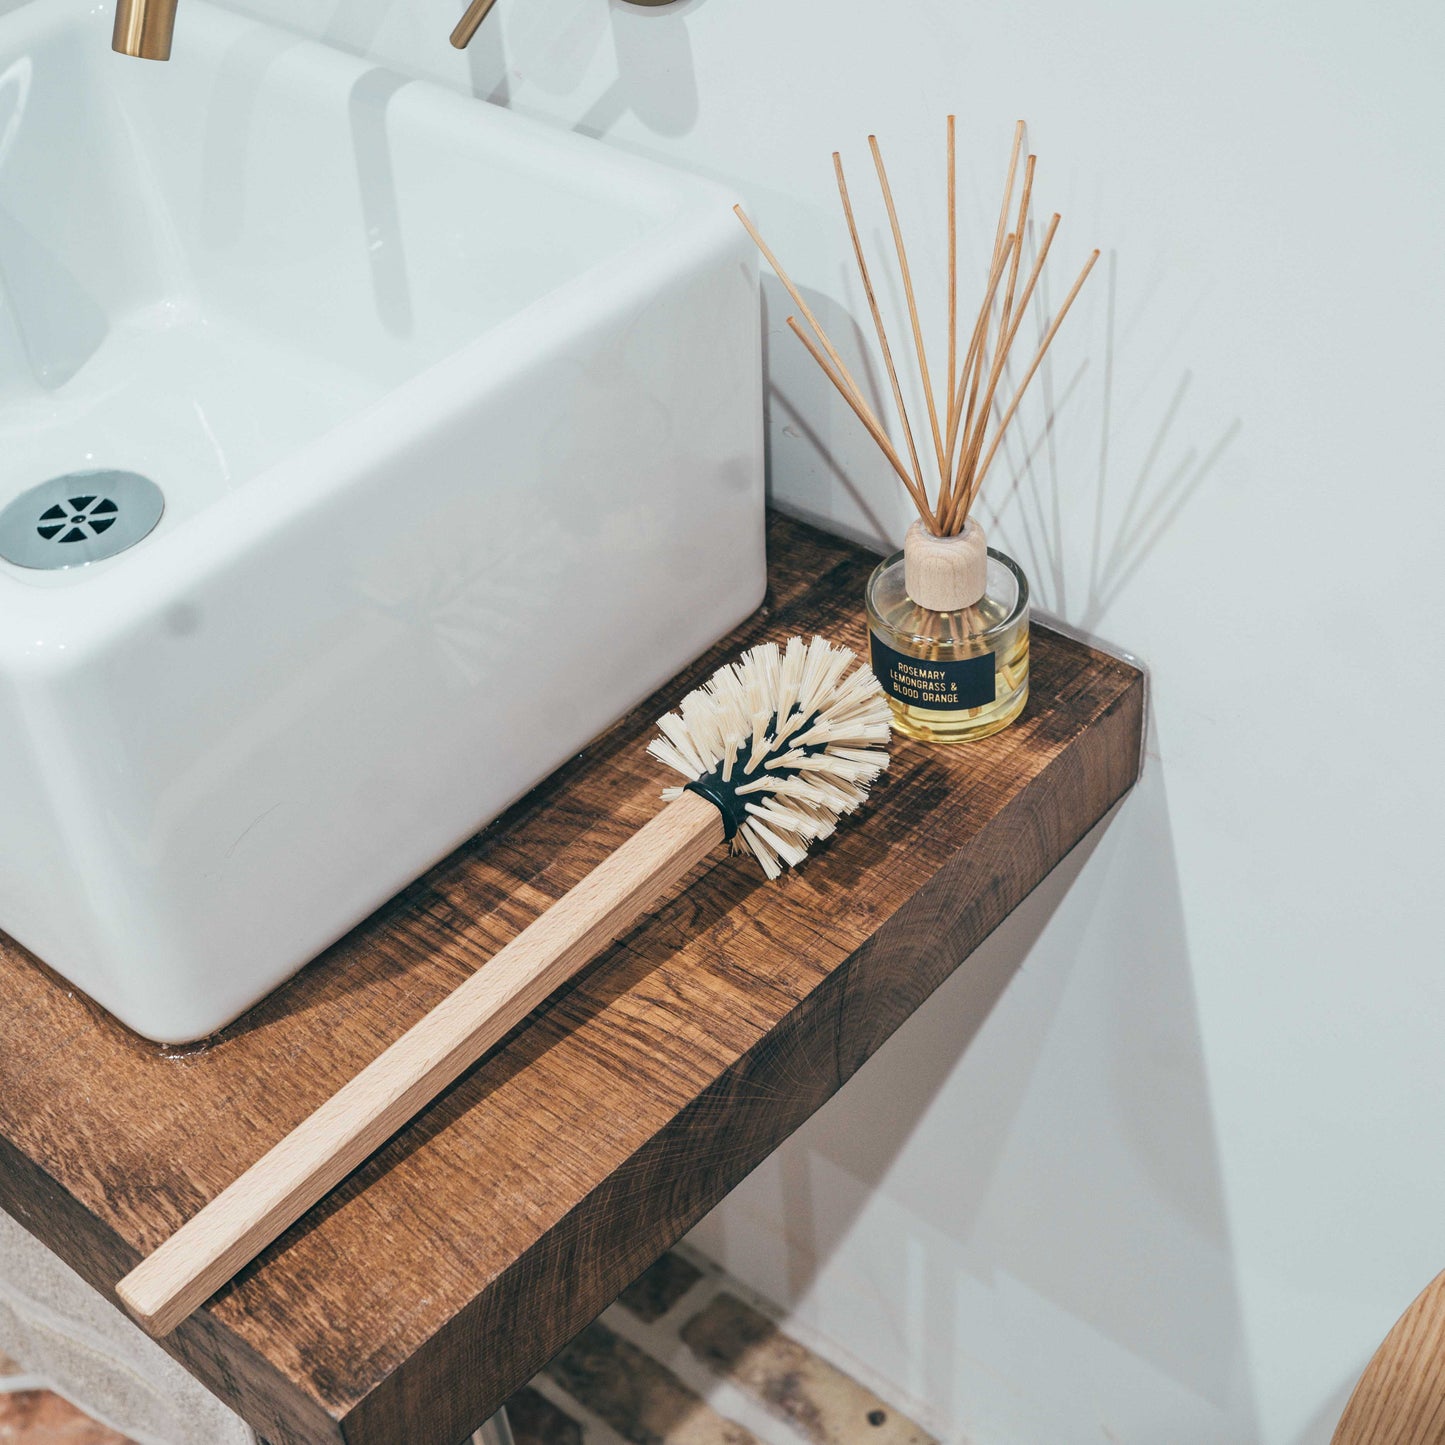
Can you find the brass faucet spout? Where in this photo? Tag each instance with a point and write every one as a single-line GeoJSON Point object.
{"type": "Point", "coordinates": [471, 22]}
{"type": "Point", "coordinates": [144, 28]}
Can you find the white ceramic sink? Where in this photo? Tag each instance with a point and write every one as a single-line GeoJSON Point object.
{"type": "Point", "coordinates": [458, 427]}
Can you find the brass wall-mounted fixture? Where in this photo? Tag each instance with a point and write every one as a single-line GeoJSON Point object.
{"type": "Point", "coordinates": [471, 22]}
{"type": "Point", "coordinates": [144, 28]}
{"type": "Point", "coordinates": [478, 11]}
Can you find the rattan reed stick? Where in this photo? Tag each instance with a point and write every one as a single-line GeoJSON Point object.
{"type": "Point", "coordinates": [877, 316]}
{"type": "Point", "coordinates": [952, 425]}
{"type": "Point", "coordinates": [974, 443]}
{"type": "Point", "coordinates": [912, 302]}
{"type": "Point", "coordinates": [868, 420]}
{"type": "Point", "coordinates": [1008, 415]}
{"type": "Point", "coordinates": [967, 438]}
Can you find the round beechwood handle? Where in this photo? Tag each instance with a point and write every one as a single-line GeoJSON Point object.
{"type": "Point", "coordinates": [320, 1152]}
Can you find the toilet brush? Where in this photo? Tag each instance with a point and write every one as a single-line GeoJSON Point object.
{"type": "Point", "coordinates": [775, 748]}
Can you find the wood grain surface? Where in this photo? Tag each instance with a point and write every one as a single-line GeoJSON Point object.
{"type": "Point", "coordinates": [306, 1165]}
{"type": "Point", "coordinates": [450, 1267]}
{"type": "Point", "coordinates": [1400, 1399]}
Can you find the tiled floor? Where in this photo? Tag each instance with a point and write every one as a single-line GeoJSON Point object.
{"type": "Point", "coordinates": [683, 1358]}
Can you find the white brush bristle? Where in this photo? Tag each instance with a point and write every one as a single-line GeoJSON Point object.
{"type": "Point", "coordinates": [786, 735]}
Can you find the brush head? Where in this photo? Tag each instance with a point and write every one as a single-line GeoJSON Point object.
{"type": "Point", "coordinates": [783, 742]}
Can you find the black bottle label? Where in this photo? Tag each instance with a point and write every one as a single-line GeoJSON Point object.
{"type": "Point", "coordinates": [942, 686]}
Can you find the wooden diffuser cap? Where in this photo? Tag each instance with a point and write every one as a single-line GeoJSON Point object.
{"type": "Point", "coordinates": [945, 574]}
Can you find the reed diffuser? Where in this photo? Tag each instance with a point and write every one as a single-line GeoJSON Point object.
{"type": "Point", "coordinates": [948, 616]}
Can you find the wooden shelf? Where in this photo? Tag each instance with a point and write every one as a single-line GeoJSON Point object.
{"type": "Point", "coordinates": [446, 1271]}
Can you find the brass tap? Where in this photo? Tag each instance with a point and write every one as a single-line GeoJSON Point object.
{"type": "Point", "coordinates": [145, 28]}
{"type": "Point", "coordinates": [471, 22]}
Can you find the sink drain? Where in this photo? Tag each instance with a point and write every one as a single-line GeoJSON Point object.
{"type": "Point", "coordinates": [78, 518]}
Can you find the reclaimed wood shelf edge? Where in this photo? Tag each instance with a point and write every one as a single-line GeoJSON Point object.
{"type": "Point", "coordinates": [455, 1262]}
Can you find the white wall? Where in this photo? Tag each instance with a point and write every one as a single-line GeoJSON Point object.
{"type": "Point", "coordinates": [1185, 1176]}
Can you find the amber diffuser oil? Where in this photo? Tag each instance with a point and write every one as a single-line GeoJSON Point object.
{"type": "Point", "coordinates": [948, 624]}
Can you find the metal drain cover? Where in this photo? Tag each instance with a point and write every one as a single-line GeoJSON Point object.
{"type": "Point", "coordinates": [78, 518]}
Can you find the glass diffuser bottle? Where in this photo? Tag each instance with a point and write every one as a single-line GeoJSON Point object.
{"type": "Point", "coordinates": [948, 625]}
{"type": "Point", "coordinates": [948, 618]}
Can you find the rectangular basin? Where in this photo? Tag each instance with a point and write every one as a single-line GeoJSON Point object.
{"type": "Point", "coordinates": [457, 424]}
